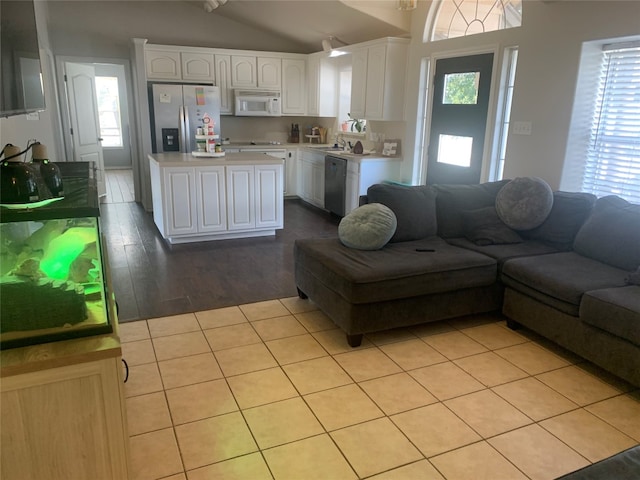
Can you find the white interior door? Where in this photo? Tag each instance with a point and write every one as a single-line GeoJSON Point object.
{"type": "Point", "coordinates": [83, 116]}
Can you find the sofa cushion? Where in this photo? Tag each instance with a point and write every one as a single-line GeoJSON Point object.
{"type": "Point", "coordinates": [616, 310]}
{"type": "Point", "coordinates": [369, 227]}
{"type": "Point", "coordinates": [502, 253]}
{"type": "Point", "coordinates": [484, 227]}
{"type": "Point", "coordinates": [399, 270]}
{"type": "Point", "coordinates": [454, 200]}
{"type": "Point", "coordinates": [633, 278]}
{"type": "Point", "coordinates": [612, 233]}
{"type": "Point", "coordinates": [413, 206]}
{"type": "Point", "coordinates": [524, 202]}
{"type": "Point", "coordinates": [560, 279]}
{"type": "Point", "coordinates": [569, 211]}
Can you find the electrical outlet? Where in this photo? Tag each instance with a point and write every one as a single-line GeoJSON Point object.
{"type": "Point", "coordinates": [521, 128]}
{"type": "Point", "coordinates": [33, 116]}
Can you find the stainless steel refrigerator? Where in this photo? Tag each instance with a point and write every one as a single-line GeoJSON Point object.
{"type": "Point", "coordinates": [177, 111]}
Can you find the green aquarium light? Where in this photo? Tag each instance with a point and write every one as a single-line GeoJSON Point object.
{"type": "Point", "coordinates": [30, 206]}
{"type": "Point", "coordinates": [63, 250]}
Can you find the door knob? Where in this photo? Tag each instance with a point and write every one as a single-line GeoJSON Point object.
{"type": "Point", "coordinates": [100, 139]}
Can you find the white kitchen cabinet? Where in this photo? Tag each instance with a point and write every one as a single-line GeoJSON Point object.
{"type": "Point", "coordinates": [268, 192]}
{"type": "Point", "coordinates": [223, 81]}
{"type": "Point", "coordinates": [198, 67]}
{"type": "Point", "coordinates": [180, 192]}
{"type": "Point", "coordinates": [361, 174]}
{"type": "Point", "coordinates": [211, 198]}
{"type": "Point", "coordinates": [293, 86]}
{"type": "Point", "coordinates": [312, 177]}
{"type": "Point", "coordinates": [240, 188]}
{"type": "Point", "coordinates": [66, 422]}
{"type": "Point", "coordinates": [290, 176]}
{"type": "Point", "coordinates": [163, 64]}
{"type": "Point", "coordinates": [322, 86]}
{"type": "Point", "coordinates": [269, 73]}
{"type": "Point", "coordinates": [378, 80]}
{"type": "Point", "coordinates": [209, 202]}
{"type": "Point", "coordinates": [243, 71]}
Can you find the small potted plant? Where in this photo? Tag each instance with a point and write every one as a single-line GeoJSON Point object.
{"type": "Point", "coordinates": [357, 124]}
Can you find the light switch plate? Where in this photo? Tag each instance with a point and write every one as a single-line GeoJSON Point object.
{"type": "Point", "coordinates": [521, 128]}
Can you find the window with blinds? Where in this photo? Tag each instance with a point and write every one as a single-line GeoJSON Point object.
{"type": "Point", "coordinates": [613, 160]}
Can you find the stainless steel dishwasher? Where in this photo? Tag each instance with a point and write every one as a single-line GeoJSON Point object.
{"type": "Point", "coordinates": [335, 184]}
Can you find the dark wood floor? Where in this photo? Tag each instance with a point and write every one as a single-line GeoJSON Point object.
{"type": "Point", "coordinates": [152, 279]}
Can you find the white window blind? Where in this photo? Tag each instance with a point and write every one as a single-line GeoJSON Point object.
{"type": "Point", "coordinates": [613, 163]}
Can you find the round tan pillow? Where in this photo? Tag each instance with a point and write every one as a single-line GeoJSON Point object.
{"type": "Point", "coordinates": [369, 227]}
{"type": "Point", "coordinates": [524, 203]}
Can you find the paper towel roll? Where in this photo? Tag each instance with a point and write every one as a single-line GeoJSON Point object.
{"type": "Point", "coordinates": [10, 150]}
{"type": "Point", "coordinates": [39, 152]}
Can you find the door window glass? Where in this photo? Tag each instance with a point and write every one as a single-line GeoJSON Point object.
{"type": "Point", "coordinates": [109, 111]}
{"type": "Point", "coordinates": [455, 150]}
{"type": "Point", "coordinates": [458, 18]}
{"type": "Point", "coordinates": [461, 88]}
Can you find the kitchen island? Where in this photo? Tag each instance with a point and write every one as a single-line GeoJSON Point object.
{"type": "Point", "coordinates": [198, 199]}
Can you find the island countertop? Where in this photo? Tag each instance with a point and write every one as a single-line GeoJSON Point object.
{"type": "Point", "coordinates": [240, 158]}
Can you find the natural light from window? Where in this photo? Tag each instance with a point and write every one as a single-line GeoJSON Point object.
{"type": "Point", "coordinates": [109, 111]}
{"type": "Point", "coordinates": [458, 18]}
{"type": "Point", "coordinates": [455, 150]}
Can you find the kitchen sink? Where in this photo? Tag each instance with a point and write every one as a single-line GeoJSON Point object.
{"type": "Point", "coordinates": [329, 149]}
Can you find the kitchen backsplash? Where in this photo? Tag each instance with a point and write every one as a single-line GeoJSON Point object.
{"type": "Point", "coordinates": [242, 129]}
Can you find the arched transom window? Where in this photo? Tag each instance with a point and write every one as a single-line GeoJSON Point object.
{"type": "Point", "coordinates": [458, 18]}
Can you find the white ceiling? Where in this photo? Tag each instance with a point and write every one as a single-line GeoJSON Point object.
{"type": "Point", "coordinates": [308, 22]}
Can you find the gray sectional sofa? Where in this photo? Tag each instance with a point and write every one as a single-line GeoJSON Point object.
{"type": "Point", "coordinates": [572, 279]}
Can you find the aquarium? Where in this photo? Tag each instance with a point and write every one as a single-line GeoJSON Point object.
{"type": "Point", "coordinates": [52, 266]}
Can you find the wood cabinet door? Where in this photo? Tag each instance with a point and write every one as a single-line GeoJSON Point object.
{"type": "Point", "coordinates": [376, 71]}
{"type": "Point", "coordinates": [240, 197]}
{"type": "Point", "coordinates": [198, 67]}
{"type": "Point", "coordinates": [269, 196]}
{"type": "Point", "coordinates": [180, 198]}
{"type": "Point", "coordinates": [269, 72]}
{"type": "Point", "coordinates": [243, 71]}
{"type": "Point", "coordinates": [163, 65]}
{"type": "Point", "coordinates": [358, 83]}
{"type": "Point", "coordinates": [211, 196]}
{"type": "Point", "coordinates": [313, 86]}
{"type": "Point", "coordinates": [293, 86]}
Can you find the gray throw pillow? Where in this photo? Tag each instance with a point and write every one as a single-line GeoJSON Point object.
{"type": "Point", "coordinates": [524, 203]}
{"type": "Point", "coordinates": [368, 227]}
{"type": "Point", "coordinates": [413, 206]}
{"type": "Point", "coordinates": [484, 227]}
{"type": "Point", "coordinates": [611, 234]}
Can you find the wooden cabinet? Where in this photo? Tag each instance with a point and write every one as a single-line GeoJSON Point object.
{"type": "Point", "coordinates": [364, 173]}
{"type": "Point", "coordinates": [163, 64]}
{"type": "Point", "coordinates": [243, 71]}
{"type": "Point", "coordinates": [199, 67]}
{"type": "Point", "coordinates": [223, 81]}
{"type": "Point", "coordinates": [293, 86]}
{"type": "Point", "coordinates": [63, 412]}
{"type": "Point", "coordinates": [269, 74]}
{"type": "Point", "coordinates": [378, 80]}
{"type": "Point", "coordinates": [322, 86]}
{"type": "Point", "coordinates": [217, 201]}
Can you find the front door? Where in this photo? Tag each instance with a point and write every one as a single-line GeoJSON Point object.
{"type": "Point", "coordinates": [83, 116]}
{"type": "Point", "coordinates": [459, 119]}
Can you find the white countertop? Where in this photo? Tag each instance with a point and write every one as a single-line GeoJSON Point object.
{"type": "Point", "coordinates": [181, 159]}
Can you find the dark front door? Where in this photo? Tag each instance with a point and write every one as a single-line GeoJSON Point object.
{"type": "Point", "coordinates": [459, 119]}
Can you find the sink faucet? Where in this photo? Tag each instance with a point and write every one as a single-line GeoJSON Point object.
{"type": "Point", "coordinates": [342, 142]}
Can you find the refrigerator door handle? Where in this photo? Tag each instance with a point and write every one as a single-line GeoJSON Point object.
{"type": "Point", "coordinates": [187, 131]}
{"type": "Point", "coordinates": [181, 126]}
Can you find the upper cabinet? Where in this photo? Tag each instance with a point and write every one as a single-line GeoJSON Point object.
{"type": "Point", "coordinates": [193, 65]}
{"type": "Point", "coordinates": [293, 86]}
{"type": "Point", "coordinates": [198, 67]}
{"type": "Point", "coordinates": [163, 64]}
{"type": "Point", "coordinates": [223, 80]}
{"type": "Point", "coordinates": [378, 80]}
{"type": "Point", "coordinates": [243, 71]}
{"type": "Point", "coordinates": [269, 73]}
{"type": "Point", "coordinates": [322, 86]}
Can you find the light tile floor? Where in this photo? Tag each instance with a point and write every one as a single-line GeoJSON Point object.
{"type": "Point", "coordinates": [271, 390]}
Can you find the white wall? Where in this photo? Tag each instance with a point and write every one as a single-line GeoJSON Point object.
{"type": "Point", "coordinates": [550, 42]}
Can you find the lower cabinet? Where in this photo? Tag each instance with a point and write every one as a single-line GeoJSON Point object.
{"type": "Point", "coordinates": [215, 202]}
{"type": "Point", "coordinates": [65, 423]}
{"type": "Point", "coordinates": [311, 177]}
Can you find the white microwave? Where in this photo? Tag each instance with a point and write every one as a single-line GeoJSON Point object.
{"type": "Point", "coordinates": [257, 103]}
